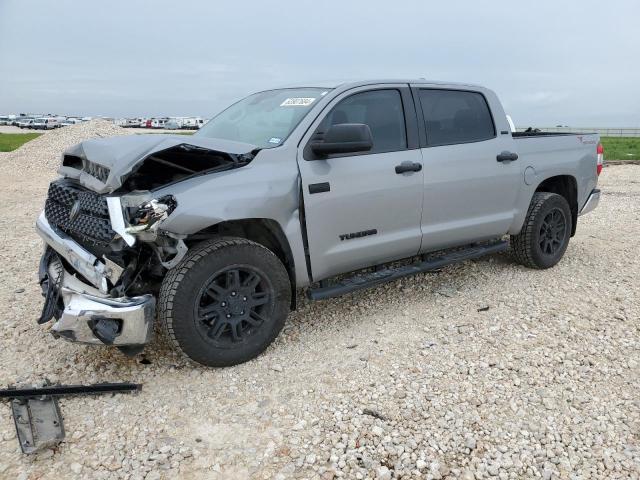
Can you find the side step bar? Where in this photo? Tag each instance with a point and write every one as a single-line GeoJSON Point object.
{"type": "Point", "coordinates": [372, 279]}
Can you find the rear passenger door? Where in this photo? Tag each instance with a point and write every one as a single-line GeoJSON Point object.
{"type": "Point", "coordinates": [468, 194]}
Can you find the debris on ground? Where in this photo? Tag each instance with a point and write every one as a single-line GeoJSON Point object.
{"type": "Point", "coordinates": [36, 412]}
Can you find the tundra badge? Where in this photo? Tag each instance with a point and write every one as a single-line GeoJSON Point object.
{"type": "Point", "coordinates": [364, 233]}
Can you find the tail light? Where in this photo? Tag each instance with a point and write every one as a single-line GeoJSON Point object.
{"type": "Point", "coordinates": [600, 152]}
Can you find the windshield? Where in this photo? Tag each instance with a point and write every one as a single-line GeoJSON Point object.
{"type": "Point", "coordinates": [263, 119]}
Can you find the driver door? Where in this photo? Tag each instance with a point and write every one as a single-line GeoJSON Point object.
{"type": "Point", "coordinates": [359, 211]}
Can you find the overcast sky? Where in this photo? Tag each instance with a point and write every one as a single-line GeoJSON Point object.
{"type": "Point", "coordinates": [571, 62]}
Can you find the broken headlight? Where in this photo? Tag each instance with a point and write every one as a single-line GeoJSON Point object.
{"type": "Point", "coordinates": [147, 217]}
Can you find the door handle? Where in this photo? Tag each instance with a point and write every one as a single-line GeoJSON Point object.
{"type": "Point", "coordinates": [319, 187]}
{"type": "Point", "coordinates": [507, 157]}
{"type": "Point", "coordinates": [408, 167]}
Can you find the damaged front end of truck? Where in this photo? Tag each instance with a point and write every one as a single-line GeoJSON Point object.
{"type": "Point", "coordinates": [106, 251]}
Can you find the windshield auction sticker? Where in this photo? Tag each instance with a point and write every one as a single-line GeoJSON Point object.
{"type": "Point", "coordinates": [297, 102]}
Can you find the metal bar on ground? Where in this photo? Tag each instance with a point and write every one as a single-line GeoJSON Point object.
{"type": "Point", "coordinates": [57, 390]}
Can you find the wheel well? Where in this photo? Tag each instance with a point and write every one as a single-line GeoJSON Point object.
{"type": "Point", "coordinates": [566, 186]}
{"type": "Point", "coordinates": [264, 231]}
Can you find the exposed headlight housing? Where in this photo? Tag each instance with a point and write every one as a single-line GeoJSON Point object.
{"type": "Point", "coordinates": [147, 216]}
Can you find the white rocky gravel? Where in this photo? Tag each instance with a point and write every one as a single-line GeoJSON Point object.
{"type": "Point", "coordinates": [43, 153]}
{"type": "Point", "coordinates": [408, 380]}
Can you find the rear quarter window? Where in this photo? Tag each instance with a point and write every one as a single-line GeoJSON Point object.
{"type": "Point", "coordinates": [455, 116]}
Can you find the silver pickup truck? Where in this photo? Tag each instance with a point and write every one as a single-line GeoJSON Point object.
{"type": "Point", "coordinates": [335, 188]}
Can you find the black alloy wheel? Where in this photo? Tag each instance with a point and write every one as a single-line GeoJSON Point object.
{"type": "Point", "coordinates": [233, 304]}
{"type": "Point", "coordinates": [225, 302]}
{"type": "Point", "coordinates": [545, 235]}
{"type": "Point", "coordinates": [553, 231]}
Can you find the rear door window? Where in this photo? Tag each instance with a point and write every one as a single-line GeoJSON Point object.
{"type": "Point", "coordinates": [455, 116]}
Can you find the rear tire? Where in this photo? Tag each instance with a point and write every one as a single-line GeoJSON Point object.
{"type": "Point", "coordinates": [546, 231]}
{"type": "Point", "coordinates": [225, 302]}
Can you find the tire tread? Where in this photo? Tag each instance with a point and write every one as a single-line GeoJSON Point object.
{"type": "Point", "coordinates": [521, 244]}
{"type": "Point", "coordinates": [174, 276]}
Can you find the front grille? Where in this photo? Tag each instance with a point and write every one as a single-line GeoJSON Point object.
{"type": "Point", "coordinates": [91, 223]}
{"type": "Point", "coordinates": [95, 170]}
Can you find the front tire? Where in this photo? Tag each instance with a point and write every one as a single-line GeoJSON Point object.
{"type": "Point", "coordinates": [546, 231]}
{"type": "Point", "coordinates": [225, 302]}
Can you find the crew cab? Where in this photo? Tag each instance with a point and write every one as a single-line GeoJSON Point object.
{"type": "Point", "coordinates": [331, 188]}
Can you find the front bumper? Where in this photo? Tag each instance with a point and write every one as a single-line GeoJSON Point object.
{"type": "Point", "coordinates": [84, 262]}
{"type": "Point", "coordinates": [132, 318]}
{"type": "Point", "coordinates": [86, 309]}
{"type": "Point", "coordinates": [592, 202]}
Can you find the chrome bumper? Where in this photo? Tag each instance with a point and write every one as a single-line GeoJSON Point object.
{"type": "Point", "coordinates": [134, 316]}
{"type": "Point", "coordinates": [86, 305]}
{"type": "Point", "coordinates": [84, 262]}
{"type": "Point", "coordinates": [592, 202]}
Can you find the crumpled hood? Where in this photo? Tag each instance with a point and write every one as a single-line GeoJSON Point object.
{"type": "Point", "coordinates": [122, 154]}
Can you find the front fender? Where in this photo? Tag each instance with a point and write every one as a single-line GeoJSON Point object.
{"type": "Point", "coordinates": [267, 188]}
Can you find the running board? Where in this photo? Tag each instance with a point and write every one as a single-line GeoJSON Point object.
{"type": "Point", "coordinates": [372, 279]}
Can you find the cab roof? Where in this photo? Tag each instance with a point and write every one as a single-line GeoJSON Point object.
{"type": "Point", "coordinates": [363, 82]}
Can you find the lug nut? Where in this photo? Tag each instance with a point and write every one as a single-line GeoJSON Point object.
{"type": "Point", "coordinates": [233, 294]}
{"type": "Point", "coordinates": [244, 298]}
{"type": "Point", "coordinates": [224, 304]}
{"type": "Point", "coordinates": [228, 315]}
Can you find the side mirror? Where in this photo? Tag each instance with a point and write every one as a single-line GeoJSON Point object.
{"type": "Point", "coordinates": [344, 138]}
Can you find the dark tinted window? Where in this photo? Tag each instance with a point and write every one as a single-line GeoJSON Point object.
{"type": "Point", "coordinates": [453, 116]}
{"type": "Point", "coordinates": [381, 110]}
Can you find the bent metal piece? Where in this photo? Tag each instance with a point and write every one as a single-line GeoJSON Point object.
{"type": "Point", "coordinates": [82, 260]}
{"type": "Point", "coordinates": [38, 422]}
{"type": "Point", "coordinates": [37, 416]}
{"type": "Point", "coordinates": [58, 390]}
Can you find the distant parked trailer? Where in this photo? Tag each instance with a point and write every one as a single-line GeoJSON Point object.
{"type": "Point", "coordinates": [133, 122]}
{"type": "Point", "coordinates": [192, 123]}
{"type": "Point", "coordinates": [7, 119]}
{"type": "Point", "coordinates": [158, 122]}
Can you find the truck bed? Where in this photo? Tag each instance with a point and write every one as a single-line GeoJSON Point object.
{"type": "Point", "coordinates": [551, 154]}
{"type": "Point", "coordinates": [545, 134]}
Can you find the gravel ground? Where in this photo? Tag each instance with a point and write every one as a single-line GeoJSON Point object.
{"type": "Point", "coordinates": [484, 370]}
{"type": "Point", "coordinates": [42, 155]}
